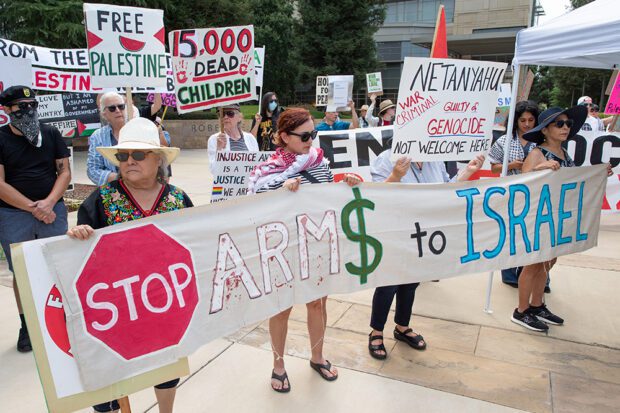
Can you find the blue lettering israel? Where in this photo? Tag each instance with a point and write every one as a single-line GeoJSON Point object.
{"type": "Point", "coordinates": [520, 204]}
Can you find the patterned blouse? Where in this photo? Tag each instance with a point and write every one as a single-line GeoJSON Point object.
{"type": "Point", "coordinates": [567, 162]}
{"type": "Point", "coordinates": [112, 203]}
{"type": "Point", "coordinates": [517, 152]}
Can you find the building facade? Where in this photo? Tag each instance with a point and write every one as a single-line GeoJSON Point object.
{"type": "Point", "coordinates": [476, 29]}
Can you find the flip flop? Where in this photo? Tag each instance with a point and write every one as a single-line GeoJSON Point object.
{"type": "Point", "coordinates": [412, 341]}
{"type": "Point", "coordinates": [319, 369]}
{"type": "Point", "coordinates": [281, 379]}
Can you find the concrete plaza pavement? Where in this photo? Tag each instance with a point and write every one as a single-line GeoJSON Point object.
{"type": "Point", "coordinates": [475, 362]}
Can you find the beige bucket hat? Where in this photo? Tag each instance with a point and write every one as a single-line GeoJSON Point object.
{"type": "Point", "coordinates": [138, 134]}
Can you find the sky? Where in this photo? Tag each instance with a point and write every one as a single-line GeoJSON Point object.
{"type": "Point", "coordinates": [553, 8]}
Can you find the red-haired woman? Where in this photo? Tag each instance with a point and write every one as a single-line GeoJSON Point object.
{"type": "Point", "coordinates": [296, 162]}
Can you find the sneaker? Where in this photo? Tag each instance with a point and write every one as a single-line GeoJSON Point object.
{"type": "Point", "coordinates": [23, 342]}
{"type": "Point", "coordinates": [543, 314]}
{"type": "Point", "coordinates": [528, 320]}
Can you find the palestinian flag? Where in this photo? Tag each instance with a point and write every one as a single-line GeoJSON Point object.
{"type": "Point", "coordinates": [86, 129]}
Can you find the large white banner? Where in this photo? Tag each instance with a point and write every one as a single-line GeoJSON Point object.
{"type": "Point", "coordinates": [126, 46]}
{"type": "Point", "coordinates": [45, 75]}
{"type": "Point", "coordinates": [446, 108]}
{"type": "Point", "coordinates": [184, 278]}
{"type": "Point", "coordinates": [213, 67]}
{"type": "Point", "coordinates": [352, 151]}
{"type": "Point", "coordinates": [593, 148]}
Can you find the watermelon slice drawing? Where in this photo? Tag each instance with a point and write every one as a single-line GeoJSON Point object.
{"type": "Point", "coordinates": [131, 45]}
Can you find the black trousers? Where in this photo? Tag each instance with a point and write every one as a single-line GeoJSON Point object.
{"type": "Point", "coordinates": [382, 301]}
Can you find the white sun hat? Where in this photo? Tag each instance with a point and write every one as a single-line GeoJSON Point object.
{"type": "Point", "coordinates": [138, 134]}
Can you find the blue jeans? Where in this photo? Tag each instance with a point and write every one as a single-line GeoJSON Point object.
{"type": "Point", "coordinates": [17, 225]}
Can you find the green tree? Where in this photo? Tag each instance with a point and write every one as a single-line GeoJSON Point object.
{"type": "Point", "coordinates": [50, 23]}
{"type": "Point", "coordinates": [562, 86]}
{"type": "Point", "coordinates": [59, 23]}
{"type": "Point", "coordinates": [274, 28]}
{"type": "Point", "coordinates": [336, 37]}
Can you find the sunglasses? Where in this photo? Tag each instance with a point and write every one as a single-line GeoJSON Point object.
{"type": "Point", "coordinates": [112, 108]}
{"type": "Point", "coordinates": [306, 136]}
{"type": "Point", "coordinates": [560, 123]}
{"type": "Point", "coordinates": [136, 155]}
{"type": "Point", "coordinates": [273, 101]}
{"type": "Point", "coordinates": [27, 105]}
{"type": "Point", "coordinates": [229, 113]}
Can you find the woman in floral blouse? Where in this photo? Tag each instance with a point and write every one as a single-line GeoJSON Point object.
{"type": "Point", "coordinates": [140, 191]}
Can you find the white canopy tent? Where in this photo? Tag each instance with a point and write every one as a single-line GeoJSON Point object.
{"type": "Point", "coordinates": [587, 37]}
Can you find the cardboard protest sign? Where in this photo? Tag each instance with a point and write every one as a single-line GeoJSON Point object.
{"type": "Point", "coordinates": [231, 172]}
{"type": "Point", "coordinates": [374, 84]}
{"type": "Point", "coordinates": [20, 73]}
{"type": "Point", "coordinates": [503, 107]}
{"type": "Point", "coordinates": [213, 67]}
{"type": "Point", "coordinates": [340, 93]}
{"type": "Point", "coordinates": [270, 251]}
{"type": "Point", "coordinates": [259, 65]}
{"type": "Point", "coordinates": [58, 370]}
{"type": "Point", "coordinates": [322, 90]}
{"type": "Point", "coordinates": [613, 104]}
{"type": "Point", "coordinates": [167, 99]}
{"type": "Point", "coordinates": [445, 108]}
{"type": "Point", "coordinates": [74, 114]}
{"type": "Point", "coordinates": [126, 45]}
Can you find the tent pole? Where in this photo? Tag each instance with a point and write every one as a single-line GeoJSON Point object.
{"type": "Point", "coordinates": [511, 115]}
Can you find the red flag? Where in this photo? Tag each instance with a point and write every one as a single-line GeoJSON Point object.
{"type": "Point", "coordinates": [440, 40]}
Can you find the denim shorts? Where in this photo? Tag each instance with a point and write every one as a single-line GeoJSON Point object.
{"type": "Point", "coordinates": [17, 225]}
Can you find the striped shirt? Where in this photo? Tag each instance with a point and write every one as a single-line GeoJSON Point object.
{"type": "Point", "coordinates": [321, 173]}
{"type": "Point", "coordinates": [238, 145]}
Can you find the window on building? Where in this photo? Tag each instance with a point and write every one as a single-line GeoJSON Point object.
{"type": "Point", "coordinates": [418, 11]}
{"type": "Point", "coordinates": [389, 51]}
{"type": "Point", "coordinates": [390, 75]}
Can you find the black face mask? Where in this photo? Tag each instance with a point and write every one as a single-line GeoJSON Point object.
{"type": "Point", "coordinates": [27, 122]}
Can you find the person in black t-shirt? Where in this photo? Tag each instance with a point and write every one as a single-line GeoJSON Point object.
{"type": "Point", "coordinates": [264, 124]}
{"type": "Point", "coordinates": [34, 175]}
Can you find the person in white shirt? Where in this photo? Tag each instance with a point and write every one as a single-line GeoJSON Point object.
{"type": "Point", "coordinates": [233, 138]}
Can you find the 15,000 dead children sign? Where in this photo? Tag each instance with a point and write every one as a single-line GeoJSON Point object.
{"type": "Point", "coordinates": [213, 67]}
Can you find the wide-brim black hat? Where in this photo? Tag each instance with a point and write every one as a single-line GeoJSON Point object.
{"type": "Point", "coordinates": [578, 114]}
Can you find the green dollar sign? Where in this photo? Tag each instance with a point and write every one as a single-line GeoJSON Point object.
{"type": "Point", "coordinates": [364, 239]}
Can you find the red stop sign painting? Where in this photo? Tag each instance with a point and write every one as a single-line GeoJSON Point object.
{"type": "Point", "coordinates": [138, 291]}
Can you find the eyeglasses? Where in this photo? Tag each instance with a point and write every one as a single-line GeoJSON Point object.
{"type": "Point", "coordinates": [560, 123]}
{"type": "Point", "coordinates": [229, 113]}
{"type": "Point", "coordinates": [27, 105]}
{"type": "Point", "coordinates": [136, 155]}
{"type": "Point", "coordinates": [112, 108]}
{"type": "Point", "coordinates": [306, 136]}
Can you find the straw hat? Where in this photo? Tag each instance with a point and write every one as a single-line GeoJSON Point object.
{"type": "Point", "coordinates": [385, 105]}
{"type": "Point", "coordinates": [138, 134]}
